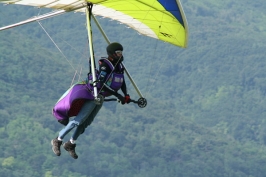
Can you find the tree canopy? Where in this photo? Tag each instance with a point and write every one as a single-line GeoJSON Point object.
{"type": "Point", "coordinates": [205, 113]}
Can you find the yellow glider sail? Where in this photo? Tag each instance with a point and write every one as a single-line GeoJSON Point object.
{"type": "Point", "coordinates": [161, 19]}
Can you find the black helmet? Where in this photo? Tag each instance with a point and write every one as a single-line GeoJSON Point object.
{"type": "Point", "coordinates": [111, 48]}
{"type": "Point", "coordinates": [111, 51]}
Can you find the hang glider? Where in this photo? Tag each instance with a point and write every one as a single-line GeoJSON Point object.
{"type": "Point", "coordinates": [161, 19]}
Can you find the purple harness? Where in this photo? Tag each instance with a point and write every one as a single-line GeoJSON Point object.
{"type": "Point", "coordinates": [114, 80]}
{"type": "Point", "coordinates": [73, 99]}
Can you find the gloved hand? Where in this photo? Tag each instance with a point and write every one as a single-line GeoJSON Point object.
{"type": "Point", "coordinates": [127, 98]}
{"type": "Point", "coordinates": [121, 99]}
{"type": "Point", "coordinates": [64, 121]}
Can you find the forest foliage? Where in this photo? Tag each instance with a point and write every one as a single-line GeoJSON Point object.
{"type": "Point", "coordinates": [206, 104]}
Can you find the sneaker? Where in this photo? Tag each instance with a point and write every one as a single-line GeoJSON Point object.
{"type": "Point", "coordinates": [56, 146]}
{"type": "Point", "coordinates": [71, 149]}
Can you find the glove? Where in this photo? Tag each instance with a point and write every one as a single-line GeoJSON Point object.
{"type": "Point", "coordinates": [64, 121]}
{"type": "Point", "coordinates": [127, 98]}
{"type": "Point", "coordinates": [121, 99]}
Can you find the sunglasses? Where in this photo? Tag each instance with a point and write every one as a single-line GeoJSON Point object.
{"type": "Point", "coordinates": [118, 52]}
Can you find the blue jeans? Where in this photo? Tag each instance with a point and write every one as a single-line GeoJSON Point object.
{"type": "Point", "coordinates": [84, 118]}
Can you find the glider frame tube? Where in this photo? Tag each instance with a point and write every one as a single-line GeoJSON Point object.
{"type": "Point", "coordinates": [91, 53]}
{"type": "Point", "coordinates": [108, 41]}
{"type": "Point", "coordinates": [41, 17]}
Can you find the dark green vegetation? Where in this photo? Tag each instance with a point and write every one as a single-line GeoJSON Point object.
{"type": "Point", "coordinates": [206, 104]}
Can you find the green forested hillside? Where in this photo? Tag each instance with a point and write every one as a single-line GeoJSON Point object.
{"type": "Point", "coordinates": [206, 104]}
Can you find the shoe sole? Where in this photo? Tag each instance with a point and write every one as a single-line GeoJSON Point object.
{"type": "Point", "coordinates": [53, 149]}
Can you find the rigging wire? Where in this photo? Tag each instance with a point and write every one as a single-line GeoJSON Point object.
{"type": "Point", "coordinates": [79, 63]}
{"type": "Point", "coordinates": [158, 70]}
{"type": "Point", "coordinates": [56, 45]}
{"type": "Point", "coordinates": [160, 67]}
{"type": "Point", "coordinates": [149, 84]}
{"type": "Point", "coordinates": [63, 54]}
